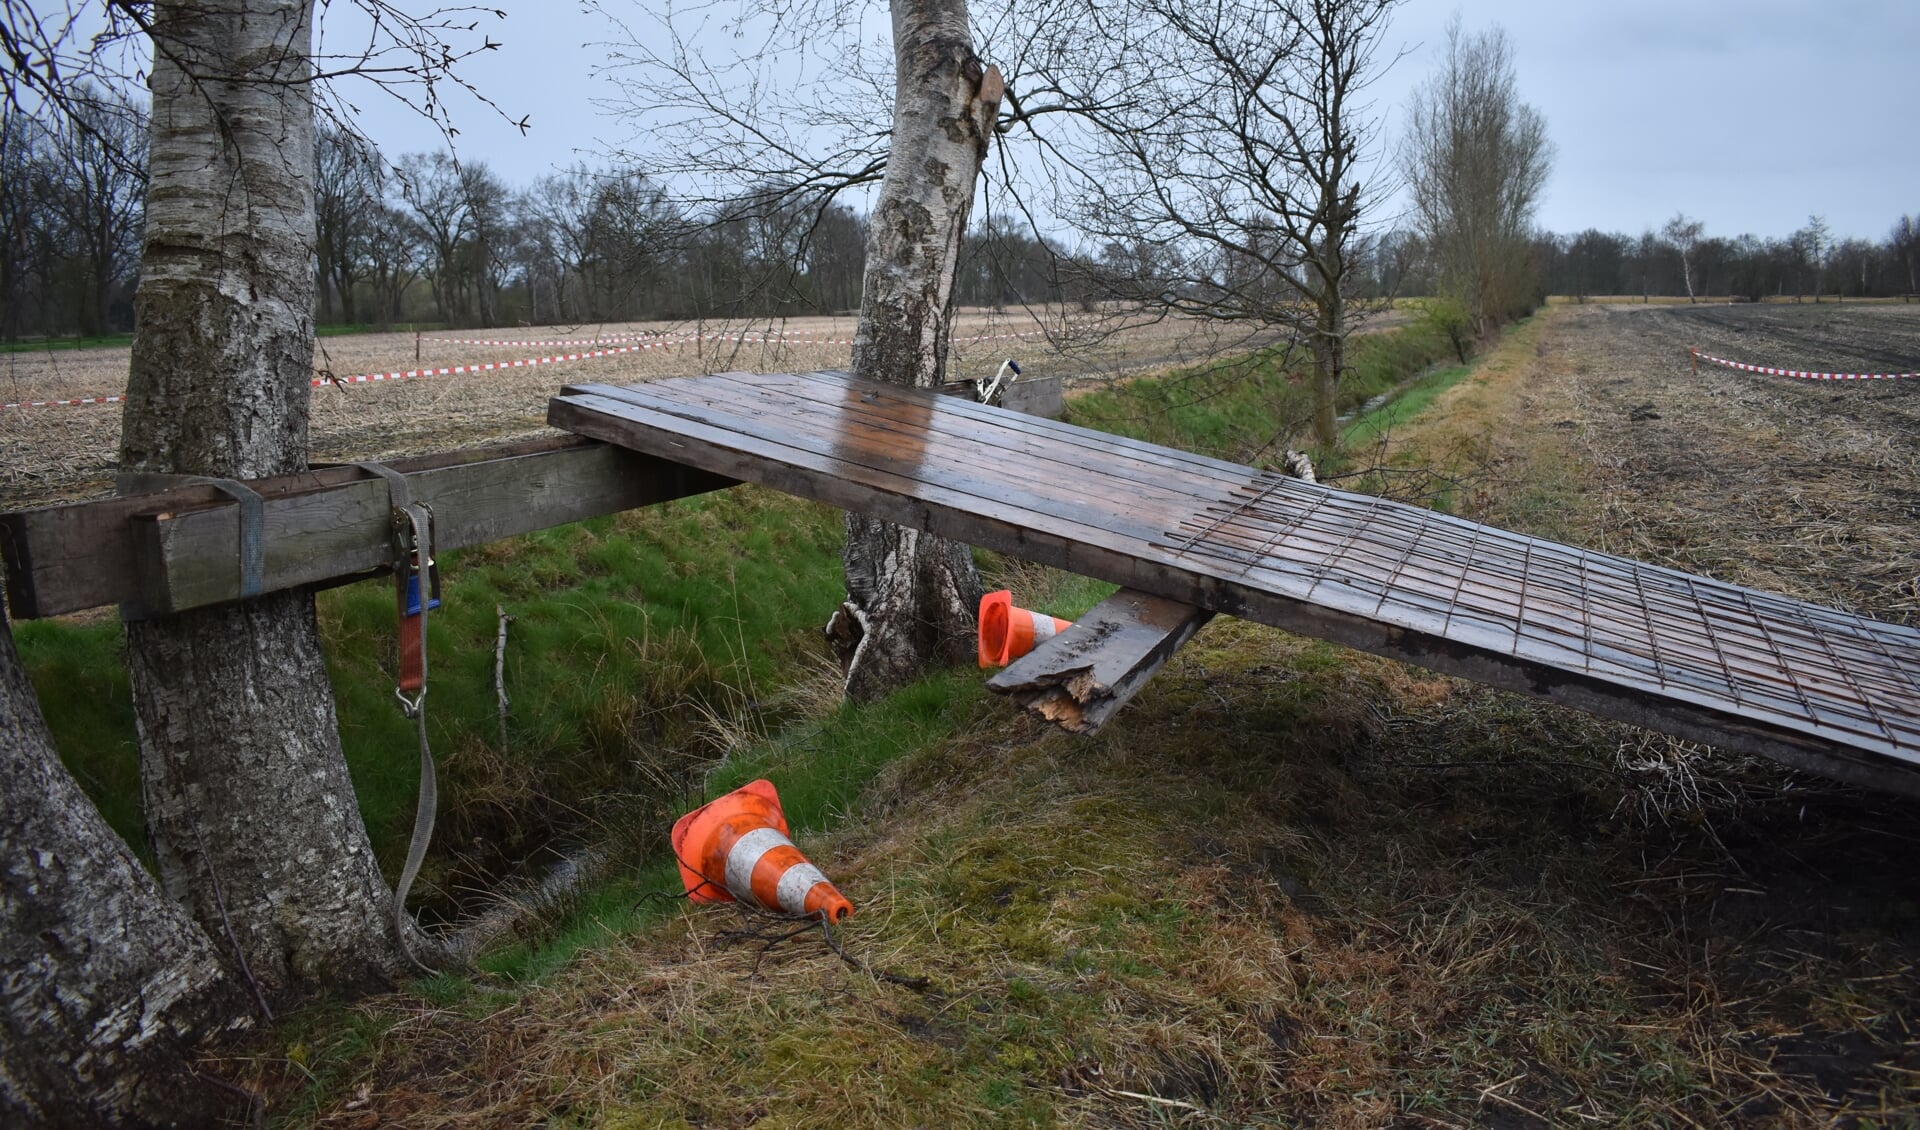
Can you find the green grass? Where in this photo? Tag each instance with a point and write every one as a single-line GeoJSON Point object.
{"type": "Point", "coordinates": [51, 344]}
{"type": "Point", "coordinates": [82, 684]}
{"type": "Point", "coordinates": [1245, 409]}
{"type": "Point", "coordinates": [643, 646]}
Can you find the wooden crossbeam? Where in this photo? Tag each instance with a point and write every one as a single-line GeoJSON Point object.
{"type": "Point", "coordinates": [1080, 679]}
{"type": "Point", "coordinates": [177, 549]}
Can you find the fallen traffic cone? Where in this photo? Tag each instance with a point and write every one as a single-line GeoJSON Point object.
{"type": "Point", "coordinates": [736, 847]}
{"type": "Point", "coordinates": [1007, 633]}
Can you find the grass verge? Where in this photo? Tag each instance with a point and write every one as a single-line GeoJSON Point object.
{"type": "Point", "coordinates": [67, 344]}
{"type": "Point", "coordinates": [1246, 410]}
{"type": "Point", "coordinates": [1291, 885]}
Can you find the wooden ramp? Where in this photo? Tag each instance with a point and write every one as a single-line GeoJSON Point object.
{"type": "Point", "coordinates": [1744, 670]}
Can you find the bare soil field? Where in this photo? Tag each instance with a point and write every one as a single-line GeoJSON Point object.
{"type": "Point", "coordinates": [1806, 487]}
{"type": "Point", "coordinates": [61, 453]}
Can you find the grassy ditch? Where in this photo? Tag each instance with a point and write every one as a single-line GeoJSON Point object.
{"type": "Point", "coordinates": [644, 646]}
{"type": "Point", "coordinates": [1246, 409]}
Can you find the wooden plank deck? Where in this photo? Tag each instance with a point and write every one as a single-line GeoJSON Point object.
{"type": "Point", "coordinates": [1813, 687]}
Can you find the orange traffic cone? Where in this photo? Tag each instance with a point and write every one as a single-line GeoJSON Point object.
{"type": "Point", "coordinates": [1007, 633]}
{"type": "Point", "coordinates": [736, 847]}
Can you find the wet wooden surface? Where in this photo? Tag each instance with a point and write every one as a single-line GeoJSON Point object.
{"type": "Point", "coordinates": [1737, 668]}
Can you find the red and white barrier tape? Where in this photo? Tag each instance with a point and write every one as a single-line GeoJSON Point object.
{"type": "Point", "coordinates": [681, 337]}
{"type": "Point", "coordinates": [607, 339]}
{"type": "Point", "coordinates": [366, 378]}
{"type": "Point", "coordinates": [1772, 372]}
{"type": "Point", "coordinates": [753, 339]}
{"type": "Point", "coordinates": [492, 366]}
{"type": "Point", "coordinates": [487, 367]}
{"type": "Point", "coordinates": [62, 403]}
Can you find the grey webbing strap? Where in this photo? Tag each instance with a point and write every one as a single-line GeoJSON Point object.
{"type": "Point", "coordinates": [253, 517]}
{"type": "Point", "coordinates": [399, 501]}
{"type": "Point", "coordinates": [411, 523]}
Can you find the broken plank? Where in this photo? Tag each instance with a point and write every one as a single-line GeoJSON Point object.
{"type": "Point", "coordinates": [1080, 679]}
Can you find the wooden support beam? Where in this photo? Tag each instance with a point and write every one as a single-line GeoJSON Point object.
{"type": "Point", "coordinates": [178, 549]}
{"type": "Point", "coordinates": [1080, 679]}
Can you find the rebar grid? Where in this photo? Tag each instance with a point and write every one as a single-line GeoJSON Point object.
{"type": "Point", "coordinates": [1640, 626]}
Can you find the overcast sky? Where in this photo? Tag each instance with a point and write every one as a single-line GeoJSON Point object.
{"type": "Point", "coordinates": [1748, 114]}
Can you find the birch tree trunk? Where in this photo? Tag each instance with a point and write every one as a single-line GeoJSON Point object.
{"type": "Point", "coordinates": [107, 985]}
{"type": "Point", "coordinates": [248, 802]}
{"type": "Point", "coordinates": [912, 597]}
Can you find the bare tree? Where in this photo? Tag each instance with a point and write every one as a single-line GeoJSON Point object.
{"type": "Point", "coordinates": [247, 795]}
{"type": "Point", "coordinates": [489, 221]}
{"type": "Point", "coordinates": [1226, 140]}
{"type": "Point", "coordinates": [17, 220]}
{"type": "Point", "coordinates": [1816, 243]}
{"type": "Point", "coordinates": [1683, 235]}
{"type": "Point", "coordinates": [554, 217]}
{"type": "Point", "coordinates": [1904, 240]}
{"type": "Point", "coordinates": [348, 185]}
{"type": "Point", "coordinates": [1477, 160]}
{"type": "Point", "coordinates": [437, 203]}
{"type": "Point", "coordinates": [393, 259]}
{"type": "Point", "coordinates": [911, 596]}
{"type": "Point", "coordinates": [96, 174]}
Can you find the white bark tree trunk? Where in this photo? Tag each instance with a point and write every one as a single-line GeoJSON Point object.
{"type": "Point", "coordinates": [107, 986]}
{"type": "Point", "coordinates": [248, 801]}
{"type": "Point", "coordinates": [912, 597]}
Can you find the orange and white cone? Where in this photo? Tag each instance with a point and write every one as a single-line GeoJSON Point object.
{"type": "Point", "coordinates": [1007, 633]}
{"type": "Point", "coordinates": [736, 847]}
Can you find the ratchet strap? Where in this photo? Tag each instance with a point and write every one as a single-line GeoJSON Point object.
{"type": "Point", "coordinates": [416, 583]}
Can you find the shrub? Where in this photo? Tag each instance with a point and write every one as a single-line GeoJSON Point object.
{"type": "Point", "coordinates": [1450, 318]}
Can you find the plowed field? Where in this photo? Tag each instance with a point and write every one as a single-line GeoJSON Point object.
{"type": "Point", "coordinates": [66, 452]}
{"type": "Point", "coordinates": [1805, 487]}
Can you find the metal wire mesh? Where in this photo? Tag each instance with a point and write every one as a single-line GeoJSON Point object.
{"type": "Point", "coordinates": [1750, 653]}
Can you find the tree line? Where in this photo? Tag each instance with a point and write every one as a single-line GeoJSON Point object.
{"type": "Point", "coordinates": [72, 193]}
{"type": "Point", "coordinates": [1681, 259]}
{"type": "Point", "coordinates": [427, 237]}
